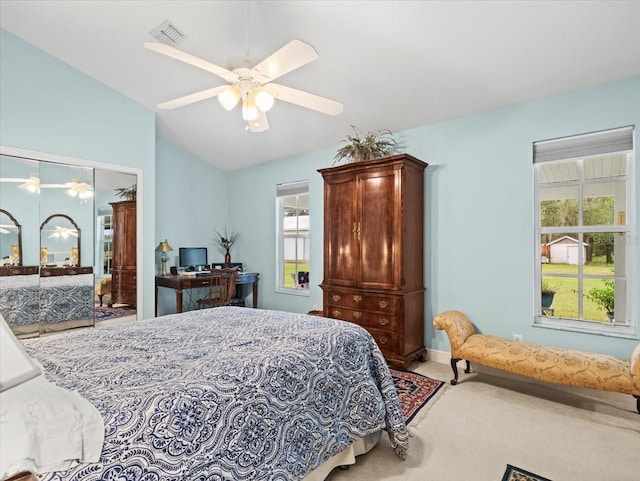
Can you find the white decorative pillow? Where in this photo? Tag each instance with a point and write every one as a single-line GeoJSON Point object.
{"type": "Point", "coordinates": [42, 426]}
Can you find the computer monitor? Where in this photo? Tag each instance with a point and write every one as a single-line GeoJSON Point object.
{"type": "Point", "coordinates": [195, 257]}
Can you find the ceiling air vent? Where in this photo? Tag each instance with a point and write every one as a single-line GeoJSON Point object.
{"type": "Point", "coordinates": [168, 34]}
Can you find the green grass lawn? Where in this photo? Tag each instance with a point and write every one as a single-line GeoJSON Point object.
{"type": "Point", "coordinates": [291, 269]}
{"type": "Point", "coordinates": [565, 302]}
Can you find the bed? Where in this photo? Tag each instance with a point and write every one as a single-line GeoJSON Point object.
{"type": "Point", "coordinates": [227, 393]}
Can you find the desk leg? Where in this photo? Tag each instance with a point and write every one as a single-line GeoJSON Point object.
{"type": "Point", "coordinates": [156, 315]}
{"type": "Point", "coordinates": [255, 295]}
{"type": "Point", "coordinates": [178, 300]}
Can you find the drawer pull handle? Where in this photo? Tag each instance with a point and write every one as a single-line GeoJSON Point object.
{"type": "Point", "coordinates": [357, 314]}
{"type": "Point", "coordinates": [384, 321]}
{"type": "Point", "coordinates": [384, 339]}
{"type": "Point", "coordinates": [383, 304]}
{"type": "Point", "coordinates": [336, 313]}
{"type": "Point", "coordinates": [336, 297]}
{"type": "Point", "coordinates": [357, 298]}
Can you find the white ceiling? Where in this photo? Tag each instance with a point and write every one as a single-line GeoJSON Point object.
{"type": "Point", "coordinates": [394, 64]}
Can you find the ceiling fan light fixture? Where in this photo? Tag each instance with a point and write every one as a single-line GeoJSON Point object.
{"type": "Point", "coordinates": [229, 98]}
{"type": "Point", "coordinates": [264, 100]}
{"type": "Point", "coordinates": [80, 189]}
{"type": "Point", "coordinates": [32, 184]}
{"type": "Point", "coordinates": [249, 109]}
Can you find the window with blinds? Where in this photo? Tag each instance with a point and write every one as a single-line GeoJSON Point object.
{"type": "Point", "coordinates": [585, 198]}
{"type": "Point", "coordinates": [292, 256]}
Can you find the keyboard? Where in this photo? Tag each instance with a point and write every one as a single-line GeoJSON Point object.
{"type": "Point", "coordinates": [203, 273]}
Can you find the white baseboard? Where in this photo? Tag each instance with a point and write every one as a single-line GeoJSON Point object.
{"type": "Point", "coordinates": [441, 357]}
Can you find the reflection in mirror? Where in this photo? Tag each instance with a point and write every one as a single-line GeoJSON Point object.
{"type": "Point", "coordinates": [66, 272]}
{"type": "Point", "coordinates": [19, 284]}
{"type": "Point", "coordinates": [59, 242]}
{"type": "Point", "coordinates": [10, 240]}
{"type": "Point", "coordinates": [17, 196]}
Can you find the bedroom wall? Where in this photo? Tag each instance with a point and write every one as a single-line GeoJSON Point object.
{"type": "Point", "coordinates": [479, 188]}
{"type": "Point", "coordinates": [49, 107]}
{"type": "Point", "coordinates": [479, 195]}
{"type": "Point", "coordinates": [191, 203]}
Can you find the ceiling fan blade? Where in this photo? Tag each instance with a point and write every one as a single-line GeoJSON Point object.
{"type": "Point", "coordinates": [306, 99]}
{"type": "Point", "coordinates": [192, 98]}
{"type": "Point", "coordinates": [260, 124]}
{"type": "Point", "coordinates": [174, 53]}
{"type": "Point", "coordinates": [293, 55]}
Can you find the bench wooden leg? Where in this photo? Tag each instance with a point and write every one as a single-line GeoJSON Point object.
{"type": "Point", "coordinates": [637, 403]}
{"type": "Point", "coordinates": [454, 366]}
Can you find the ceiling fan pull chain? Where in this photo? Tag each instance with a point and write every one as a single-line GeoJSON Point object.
{"type": "Point", "coordinates": [246, 28]}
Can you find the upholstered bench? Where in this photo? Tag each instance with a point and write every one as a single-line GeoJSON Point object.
{"type": "Point", "coordinates": [550, 364]}
{"type": "Point", "coordinates": [104, 287]}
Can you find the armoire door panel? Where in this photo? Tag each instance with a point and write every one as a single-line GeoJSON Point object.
{"type": "Point", "coordinates": [340, 233]}
{"type": "Point", "coordinates": [378, 229]}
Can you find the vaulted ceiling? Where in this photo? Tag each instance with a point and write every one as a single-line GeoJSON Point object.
{"type": "Point", "coordinates": [394, 64]}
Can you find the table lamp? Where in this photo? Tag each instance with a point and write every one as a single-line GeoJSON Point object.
{"type": "Point", "coordinates": [164, 247]}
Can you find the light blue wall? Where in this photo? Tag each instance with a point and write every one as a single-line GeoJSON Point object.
{"type": "Point", "coordinates": [254, 217]}
{"type": "Point", "coordinates": [48, 106]}
{"type": "Point", "coordinates": [479, 228]}
{"type": "Point", "coordinates": [479, 188]}
{"type": "Point", "coordinates": [192, 200]}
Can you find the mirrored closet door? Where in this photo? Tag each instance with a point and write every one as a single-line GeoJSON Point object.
{"type": "Point", "coordinates": [55, 243]}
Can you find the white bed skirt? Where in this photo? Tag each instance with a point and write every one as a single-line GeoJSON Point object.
{"type": "Point", "coordinates": [345, 457]}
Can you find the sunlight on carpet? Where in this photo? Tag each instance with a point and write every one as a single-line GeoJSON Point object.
{"type": "Point", "coordinates": [414, 391]}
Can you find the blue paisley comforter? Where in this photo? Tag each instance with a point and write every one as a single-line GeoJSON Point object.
{"type": "Point", "coordinates": [224, 394]}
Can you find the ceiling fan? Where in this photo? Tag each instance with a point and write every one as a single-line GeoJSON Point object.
{"type": "Point", "coordinates": [253, 83]}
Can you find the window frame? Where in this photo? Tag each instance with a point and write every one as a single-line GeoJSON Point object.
{"type": "Point", "coordinates": [620, 328]}
{"type": "Point", "coordinates": [297, 188]}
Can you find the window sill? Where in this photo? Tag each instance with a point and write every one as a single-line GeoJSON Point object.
{"type": "Point", "coordinates": [294, 292]}
{"type": "Point", "coordinates": [623, 332]}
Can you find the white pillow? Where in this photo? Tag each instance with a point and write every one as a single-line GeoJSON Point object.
{"type": "Point", "coordinates": [42, 426]}
{"type": "Point", "coordinates": [15, 364]}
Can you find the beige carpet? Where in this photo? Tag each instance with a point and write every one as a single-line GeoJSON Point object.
{"type": "Point", "coordinates": [484, 423]}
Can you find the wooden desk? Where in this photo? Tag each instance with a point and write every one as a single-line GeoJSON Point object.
{"type": "Point", "coordinates": [179, 283]}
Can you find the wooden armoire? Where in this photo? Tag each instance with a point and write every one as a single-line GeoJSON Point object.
{"type": "Point", "coordinates": [373, 251]}
{"type": "Point", "coordinates": [123, 264]}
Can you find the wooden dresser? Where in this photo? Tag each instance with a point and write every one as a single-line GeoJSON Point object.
{"type": "Point", "coordinates": [373, 251]}
{"type": "Point", "coordinates": [123, 266]}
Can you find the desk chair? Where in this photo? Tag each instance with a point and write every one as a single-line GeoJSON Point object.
{"type": "Point", "coordinates": [221, 286]}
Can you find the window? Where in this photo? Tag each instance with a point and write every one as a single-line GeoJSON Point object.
{"type": "Point", "coordinates": [584, 246]}
{"type": "Point", "coordinates": [104, 239]}
{"type": "Point", "coordinates": [293, 237]}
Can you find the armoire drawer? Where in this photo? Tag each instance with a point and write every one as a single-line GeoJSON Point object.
{"type": "Point", "coordinates": [386, 340]}
{"type": "Point", "coordinates": [364, 302]}
{"type": "Point", "coordinates": [364, 318]}
{"type": "Point", "coordinates": [123, 278]}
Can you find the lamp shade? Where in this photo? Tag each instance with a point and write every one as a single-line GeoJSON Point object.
{"type": "Point", "coordinates": [229, 98]}
{"type": "Point", "coordinates": [164, 247]}
{"type": "Point", "coordinates": [264, 100]}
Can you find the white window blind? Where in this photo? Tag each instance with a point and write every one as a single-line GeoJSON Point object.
{"type": "Point", "coordinates": [293, 188]}
{"type": "Point", "coordinates": [605, 142]}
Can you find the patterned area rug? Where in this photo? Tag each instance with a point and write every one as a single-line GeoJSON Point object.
{"type": "Point", "coordinates": [517, 474]}
{"type": "Point", "coordinates": [103, 312]}
{"type": "Point", "coordinates": [414, 391]}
